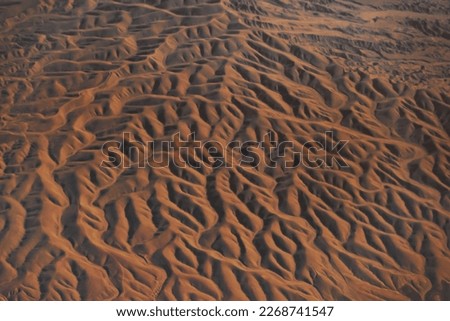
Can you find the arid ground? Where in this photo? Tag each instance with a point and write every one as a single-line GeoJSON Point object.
{"type": "Point", "coordinates": [79, 221]}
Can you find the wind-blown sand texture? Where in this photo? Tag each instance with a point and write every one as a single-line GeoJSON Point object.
{"type": "Point", "coordinates": [77, 73]}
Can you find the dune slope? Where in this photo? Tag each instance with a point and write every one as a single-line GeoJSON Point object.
{"type": "Point", "coordinates": [75, 74]}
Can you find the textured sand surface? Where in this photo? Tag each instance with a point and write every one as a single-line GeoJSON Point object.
{"type": "Point", "coordinates": [77, 73]}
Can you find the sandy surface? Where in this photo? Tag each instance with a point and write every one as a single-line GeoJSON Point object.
{"type": "Point", "coordinates": [75, 74]}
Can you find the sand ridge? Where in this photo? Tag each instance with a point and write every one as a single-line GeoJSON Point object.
{"type": "Point", "coordinates": [77, 73]}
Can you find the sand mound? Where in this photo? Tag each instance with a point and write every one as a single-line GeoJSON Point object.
{"type": "Point", "coordinates": [77, 74]}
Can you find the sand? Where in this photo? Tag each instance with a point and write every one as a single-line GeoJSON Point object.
{"type": "Point", "coordinates": [75, 74]}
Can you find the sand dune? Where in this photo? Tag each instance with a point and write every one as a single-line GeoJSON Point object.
{"type": "Point", "coordinates": [75, 74]}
